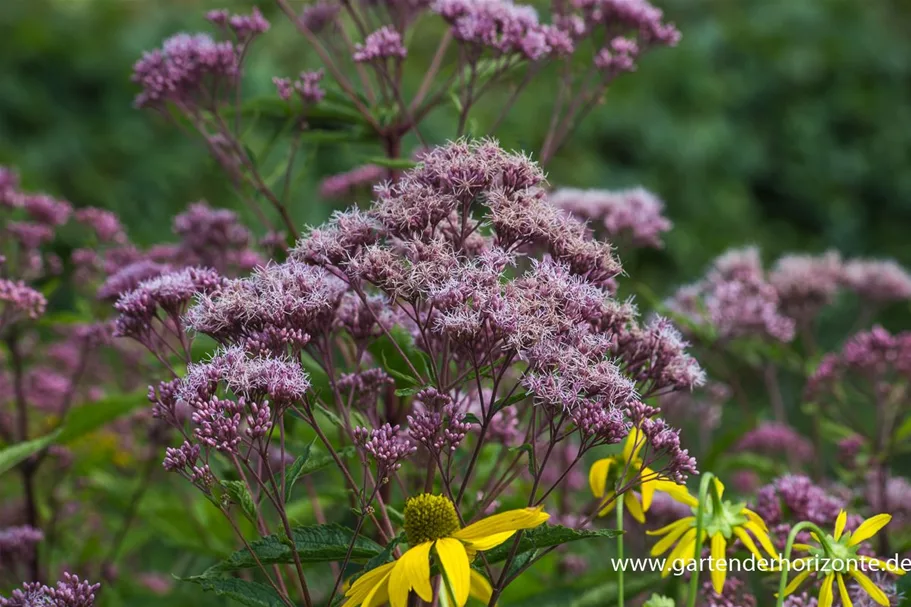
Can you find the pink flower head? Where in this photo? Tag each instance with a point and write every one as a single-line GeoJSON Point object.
{"type": "Point", "coordinates": [385, 43]}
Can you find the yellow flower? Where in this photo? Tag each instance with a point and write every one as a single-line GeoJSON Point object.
{"type": "Point", "coordinates": [722, 521]}
{"type": "Point", "coordinates": [432, 527]}
{"type": "Point", "coordinates": [627, 464]}
{"type": "Point", "coordinates": [837, 556]}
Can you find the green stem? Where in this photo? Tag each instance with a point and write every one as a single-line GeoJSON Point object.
{"type": "Point", "coordinates": [697, 551]}
{"type": "Point", "coordinates": [783, 578]}
{"type": "Point", "coordinates": [620, 594]}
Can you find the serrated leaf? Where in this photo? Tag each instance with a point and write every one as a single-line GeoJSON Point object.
{"type": "Point", "coordinates": [240, 495]}
{"type": "Point", "coordinates": [296, 470]}
{"type": "Point", "coordinates": [314, 544]}
{"type": "Point", "coordinates": [546, 536]}
{"type": "Point", "coordinates": [14, 454]}
{"type": "Point", "coordinates": [242, 591]}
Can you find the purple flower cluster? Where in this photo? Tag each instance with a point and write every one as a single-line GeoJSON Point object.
{"type": "Point", "coordinates": [244, 27]}
{"type": "Point", "coordinates": [381, 45]}
{"type": "Point", "coordinates": [387, 447]}
{"type": "Point", "coordinates": [104, 224]}
{"type": "Point", "coordinates": [168, 294]}
{"type": "Point", "coordinates": [735, 300]}
{"type": "Point", "coordinates": [504, 28]}
{"type": "Point", "coordinates": [878, 281]}
{"type": "Point", "coordinates": [774, 439]}
{"type": "Point", "coordinates": [807, 283]}
{"type": "Point", "coordinates": [633, 216]}
{"type": "Point", "coordinates": [17, 544]}
{"type": "Point", "coordinates": [278, 306]}
{"type": "Point", "coordinates": [804, 599]}
{"type": "Point", "coordinates": [307, 86]}
{"type": "Point", "coordinates": [437, 424]}
{"type": "Point", "coordinates": [68, 592]}
{"type": "Point", "coordinates": [733, 594]}
{"type": "Point", "coordinates": [875, 355]}
{"type": "Point", "coordinates": [19, 301]}
{"type": "Point", "coordinates": [182, 68]}
{"type": "Point", "coordinates": [214, 238]}
{"type": "Point", "coordinates": [318, 16]}
{"type": "Point", "coordinates": [791, 499]}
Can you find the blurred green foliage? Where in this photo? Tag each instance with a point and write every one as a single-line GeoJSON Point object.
{"type": "Point", "coordinates": [775, 122]}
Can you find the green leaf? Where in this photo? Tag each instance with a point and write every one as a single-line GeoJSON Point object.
{"type": "Point", "coordinates": [395, 516]}
{"type": "Point", "coordinates": [92, 416]}
{"type": "Point", "coordinates": [903, 431]}
{"type": "Point", "coordinates": [391, 163]}
{"type": "Point", "coordinates": [394, 363]}
{"type": "Point", "coordinates": [14, 454]}
{"type": "Point", "coordinates": [331, 416]}
{"type": "Point", "coordinates": [546, 536]}
{"type": "Point", "coordinates": [318, 462]}
{"type": "Point", "coordinates": [314, 544]}
{"type": "Point", "coordinates": [296, 470]}
{"type": "Point", "coordinates": [408, 391]}
{"type": "Point", "coordinates": [319, 380]}
{"type": "Point", "coordinates": [242, 591]}
{"type": "Point", "coordinates": [502, 403]}
{"type": "Point", "coordinates": [526, 447]}
{"type": "Point", "coordinates": [240, 495]}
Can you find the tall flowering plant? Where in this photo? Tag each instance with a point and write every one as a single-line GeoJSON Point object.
{"type": "Point", "coordinates": [460, 317]}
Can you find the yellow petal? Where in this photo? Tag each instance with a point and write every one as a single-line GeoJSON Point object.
{"type": "Point", "coordinates": [377, 597]}
{"type": "Point", "coordinates": [870, 588]}
{"type": "Point", "coordinates": [367, 585]}
{"type": "Point", "coordinates": [597, 476]}
{"type": "Point", "coordinates": [480, 588]}
{"type": "Point", "coordinates": [763, 538]}
{"type": "Point", "coordinates": [683, 552]}
{"type": "Point", "coordinates": [411, 571]}
{"type": "Point", "coordinates": [840, 524]}
{"type": "Point", "coordinates": [678, 529]}
{"type": "Point", "coordinates": [801, 547]}
{"type": "Point", "coordinates": [491, 541]}
{"type": "Point", "coordinates": [685, 522]}
{"type": "Point", "coordinates": [454, 562]}
{"type": "Point", "coordinates": [755, 518]}
{"type": "Point", "coordinates": [719, 546]}
{"type": "Point", "coordinates": [869, 528]}
{"type": "Point", "coordinates": [843, 592]}
{"type": "Point", "coordinates": [719, 487]}
{"type": "Point", "coordinates": [648, 489]}
{"type": "Point", "coordinates": [683, 496]}
{"type": "Point", "coordinates": [826, 596]}
{"type": "Point", "coordinates": [611, 503]}
{"type": "Point", "coordinates": [747, 541]}
{"type": "Point", "coordinates": [633, 506]}
{"type": "Point", "coordinates": [885, 565]}
{"type": "Point", "coordinates": [633, 444]}
{"type": "Point", "coordinates": [511, 520]}
{"type": "Point", "coordinates": [796, 582]}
